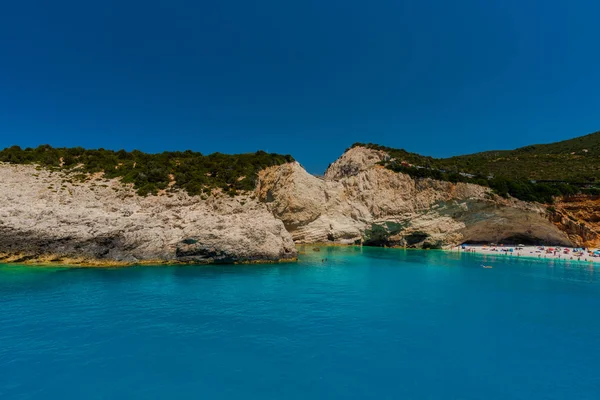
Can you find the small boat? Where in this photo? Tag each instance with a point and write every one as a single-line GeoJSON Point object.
{"type": "Point", "coordinates": [487, 266]}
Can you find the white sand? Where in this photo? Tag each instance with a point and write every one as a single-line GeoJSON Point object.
{"type": "Point", "coordinates": [558, 252]}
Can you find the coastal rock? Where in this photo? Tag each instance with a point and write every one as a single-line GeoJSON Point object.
{"type": "Point", "coordinates": [47, 217]}
{"type": "Point", "coordinates": [312, 209]}
{"type": "Point", "coordinates": [579, 217]}
{"type": "Point", "coordinates": [360, 201]}
{"type": "Point", "coordinates": [353, 161]}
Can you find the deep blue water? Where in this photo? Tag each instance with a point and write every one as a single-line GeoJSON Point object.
{"type": "Point", "coordinates": [370, 323]}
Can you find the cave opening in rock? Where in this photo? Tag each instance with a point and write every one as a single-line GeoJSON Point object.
{"type": "Point", "coordinates": [415, 238]}
{"type": "Point", "coordinates": [412, 240]}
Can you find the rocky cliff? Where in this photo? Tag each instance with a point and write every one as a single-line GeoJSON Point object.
{"type": "Point", "coordinates": [579, 217]}
{"type": "Point", "coordinates": [362, 202]}
{"type": "Point", "coordinates": [48, 217]}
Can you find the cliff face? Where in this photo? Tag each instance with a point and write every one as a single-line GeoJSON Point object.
{"type": "Point", "coordinates": [44, 217]}
{"type": "Point", "coordinates": [47, 217]}
{"type": "Point", "coordinates": [579, 217]}
{"type": "Point", "coordinates": [360, 201]}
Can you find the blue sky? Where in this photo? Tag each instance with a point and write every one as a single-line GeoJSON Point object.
{"type": "Point", "coordinates": [305, 77]}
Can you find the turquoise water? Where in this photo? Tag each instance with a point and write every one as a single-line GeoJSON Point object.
{"type": "Point", "coordinates": [370, 323]}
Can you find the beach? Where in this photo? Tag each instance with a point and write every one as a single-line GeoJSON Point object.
{"type": "Point", "coordinates": [547, 252]}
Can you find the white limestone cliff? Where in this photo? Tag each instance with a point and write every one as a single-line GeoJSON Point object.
{"type": "Point", "coordinates": [360, 201]}
{"type": "Point", "coordinates": [46, 217]}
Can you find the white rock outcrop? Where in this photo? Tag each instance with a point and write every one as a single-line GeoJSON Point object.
{"type": "Point", "coordinates": [360, 201]}
{"type": "Point", "coordinates": [44, 216]}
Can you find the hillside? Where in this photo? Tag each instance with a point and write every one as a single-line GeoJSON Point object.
{"type": "Point", "coordinates": [575, 160]}
{"type": "Point", "coordinates": [532, 173]}
{"type": "Point", "coordinates": [191, 171]}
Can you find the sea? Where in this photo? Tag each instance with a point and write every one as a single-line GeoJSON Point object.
{"type": "Point", "coordinates": [341, 323]}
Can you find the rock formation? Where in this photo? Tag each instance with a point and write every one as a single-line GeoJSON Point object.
{"type": "Point", "coordinates": [47, 217]}
{"type": "Point", "coordinates": [579, 217]}
{"type": "Point", "coordinates": [362, 202]}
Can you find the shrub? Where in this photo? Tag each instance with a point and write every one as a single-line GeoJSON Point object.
{"type": "Point", "coordinates": [192, 171]}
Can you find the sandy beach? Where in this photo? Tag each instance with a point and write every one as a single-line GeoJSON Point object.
{"type": "Point", "coordinates": [547, 252]}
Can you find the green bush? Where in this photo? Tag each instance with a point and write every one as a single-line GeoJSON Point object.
{"type": "Point", "coordinates": [191, 171]}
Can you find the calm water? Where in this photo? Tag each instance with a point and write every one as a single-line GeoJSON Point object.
{"type": "Point", "coordinates": [371, 323]}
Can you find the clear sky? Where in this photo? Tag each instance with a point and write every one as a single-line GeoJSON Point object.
{"type": "Point", "coordinates": [307, 77]}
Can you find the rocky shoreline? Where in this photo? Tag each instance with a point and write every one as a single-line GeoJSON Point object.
{"type": "Point", "coordinates": [53, 260]}
{"type": "Point", "coordinates": [46, 217]}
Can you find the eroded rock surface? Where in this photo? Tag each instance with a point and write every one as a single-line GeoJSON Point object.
{"type": "Point", "coordinates": [361, 202]}
{"type": "Point", "coordinates": [44, 217]}
{"type": "Point", "coordinates": [579, 217]}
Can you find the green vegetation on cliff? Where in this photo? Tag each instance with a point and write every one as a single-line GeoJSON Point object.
{"type": "Point", "coordinates": [575, 160]}
{"type": "Point", "coordinates": [531, 173]}
{"type": "Point", "coordinates": [187, 170]}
